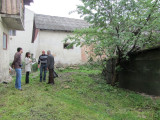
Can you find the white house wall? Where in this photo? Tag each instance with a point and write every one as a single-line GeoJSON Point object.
{"type": "Point", "coordinates": [36, 47]}
{"type": "Point", "coordinates": [53, 41]}
{"type": "Point", "coordinates": [4, 54]}
{"type": "Point", "coordinates": [23, 38]}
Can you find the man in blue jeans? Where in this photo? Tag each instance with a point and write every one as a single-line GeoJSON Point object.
{"type": "Point", "coordinates": [43, 62]}
{"type": "Point", "coordinates": [17, 64]}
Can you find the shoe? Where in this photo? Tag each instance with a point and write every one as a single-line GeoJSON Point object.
{"type": "Point", "coordinates": [20, 89]}
{"type": "Point", "coordinates": [51, 83]}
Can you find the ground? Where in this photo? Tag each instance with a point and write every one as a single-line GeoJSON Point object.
{"type": "Point", "coordinates": [78, 94]}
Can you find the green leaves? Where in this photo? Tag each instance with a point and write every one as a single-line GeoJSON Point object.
{"type": "Point", "coordinates": [119, 27]}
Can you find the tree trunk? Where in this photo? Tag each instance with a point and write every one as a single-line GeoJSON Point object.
{"type": "Point", "coordinates": [115, 64]}
{"type": "Point", "coordinates": [110, 72]}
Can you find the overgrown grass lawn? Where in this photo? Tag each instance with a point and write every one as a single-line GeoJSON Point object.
{"type": "Point", "coordinates": [78, 94]}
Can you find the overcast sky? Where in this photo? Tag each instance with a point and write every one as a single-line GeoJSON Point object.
{"type": "Point", "coordinates": [55, 7]}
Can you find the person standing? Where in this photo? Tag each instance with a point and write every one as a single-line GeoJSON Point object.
{"type": "Point", "coordinates": [42, 64]}
{"type": "Point", "coordinates": [17, 64]}
{"type": "Point", "coordinates": [50, 67]}
{"type": "Point", "coordinates": [28, 64]}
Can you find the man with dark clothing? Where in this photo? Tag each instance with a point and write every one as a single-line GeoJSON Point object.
{"type": "Point", "coordinates": [50, 66]}
{"type": "Point", "coordinates": [42, 64]}
{"type": "Point", "coordinates": [17, 64]}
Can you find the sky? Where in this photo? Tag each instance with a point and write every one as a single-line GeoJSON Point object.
{"type": "Point", "coordinates": [60, 8]}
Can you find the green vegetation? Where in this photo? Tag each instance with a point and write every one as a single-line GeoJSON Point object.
{"type": "Point", "coordinates": [35, 67]}
{"type": "Point", "coordinates": [118, 28]}
{"type": "Point", "coordinates": [79, 94]}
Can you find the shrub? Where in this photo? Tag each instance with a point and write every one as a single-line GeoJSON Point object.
{"type": "Point", "coordinates": [35, 67]}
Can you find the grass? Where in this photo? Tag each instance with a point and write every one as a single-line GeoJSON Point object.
{"type": "Point", "coordinates": [78, 94]}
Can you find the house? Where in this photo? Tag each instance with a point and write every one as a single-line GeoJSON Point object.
{"type": "Point", "coordinates": [11, 18]}
{"type": "Point", "coordinates": [22, 38]}
{"type": "Point", "coordinates": [49, 34]}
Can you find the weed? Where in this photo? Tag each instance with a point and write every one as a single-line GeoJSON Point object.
{"type": "Point", "coordinates": [78, 94]}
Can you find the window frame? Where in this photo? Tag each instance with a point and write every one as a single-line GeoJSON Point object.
{"type": "Point", "coordinates": [12, 32]}
{"type": "Point", "coordinates": [4, 34]}
{"type": "Point", "coordinates": [64, 44]}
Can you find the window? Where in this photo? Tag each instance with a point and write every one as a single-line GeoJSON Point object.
{"type": "Point", "coordinates": [12, 32]}
{"type": "Point", "coordinates": [4, 41]}
{"type": "Point", "coordinates": [68, 46]}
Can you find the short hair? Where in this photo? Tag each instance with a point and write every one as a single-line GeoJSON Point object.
{"type": "Point", "coordinates": [49, 51]}
{"type": "Point", "coordinates": [27, 53]}
{"type": "Point", "coordinates": [19, 49]}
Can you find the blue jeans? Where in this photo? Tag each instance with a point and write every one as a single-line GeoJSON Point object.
{"type": "Point", "coordinates": [43, 68]}
{"type": "Point", "coordinates": [18, 78]}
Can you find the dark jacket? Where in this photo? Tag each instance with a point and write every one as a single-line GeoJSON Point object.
{"type": "Point", "coordinates": [42, 59]}
{"type": "Point", "coordinates": [50, 62]}
{"type": "Point", "coordinates": [17, 62]}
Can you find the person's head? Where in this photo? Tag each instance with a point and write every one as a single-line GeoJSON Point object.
{"type": "Point", "coordinates": [28, 55]}
{"type": "Point", "coordinates": [43, 52]}
{"type": "Point", "coordinates": [48, 52]}
{"type": "Point", "coordinates": [20, 50]}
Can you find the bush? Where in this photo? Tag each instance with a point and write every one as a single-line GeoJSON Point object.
{"type": "Point", "coordinates": [35, 67]}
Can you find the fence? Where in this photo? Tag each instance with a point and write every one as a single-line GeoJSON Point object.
{"type": "Point", "coordinates": [142, 72]}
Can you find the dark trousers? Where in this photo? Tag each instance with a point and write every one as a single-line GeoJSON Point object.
{"type": "Point", "coordinates": [51, 79]}
{"type": "Point", "coordinates": [43, 68]}
{"type": "Point", "coordinates": [27, 77]}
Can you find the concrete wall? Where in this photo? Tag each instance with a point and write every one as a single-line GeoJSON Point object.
{"type": "Point", "coordinates": [142, 72]}
{"type": "Point", "coordinates": [53, 40]}
{"type": "Point", "coordinates": [45, 40]}
{"type": "Point", "coordinates": [36, 47]}
{"type": "Point", "coordinates": [4, 54]}
{"type": "Point", "coordinates": [23, 38]}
